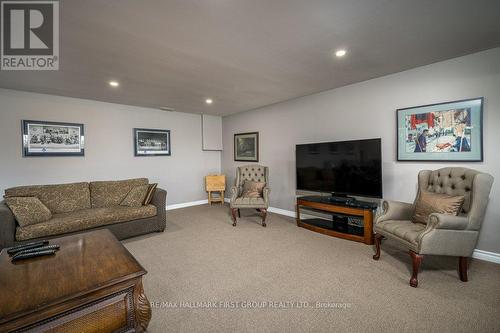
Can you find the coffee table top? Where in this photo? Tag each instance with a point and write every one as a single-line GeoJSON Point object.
{"type": "Point", "coordinates": [85, 263]}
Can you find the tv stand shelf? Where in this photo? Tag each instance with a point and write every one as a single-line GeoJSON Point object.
{"type": "Point", "coordinates": [357, 210]}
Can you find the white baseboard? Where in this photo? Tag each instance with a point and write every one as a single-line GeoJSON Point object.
{"type": "Point", "coordinates": [187, 204]}
{"type": "Point", "coordinates": [478, 254]}
{"type": "Point", "coordinates": [273, 210]}
{"type": "Point", "coordinates": [486, 256]}
{"type": "Point", "coordinates": [281, 211]}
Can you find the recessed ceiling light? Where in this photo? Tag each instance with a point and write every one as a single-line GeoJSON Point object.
{"type": "Point", "coordinates": [209, 101]}
{"type": "Point", "coordinates": [340, 53]}
{"type": "Point", "coordinates": [114, 83]}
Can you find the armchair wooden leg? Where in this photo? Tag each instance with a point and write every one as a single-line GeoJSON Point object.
{"type": "Point", "coordinates": [264, 214]}
{"type": "Point", "coordinates": [233, 214]}
{"type": "Point", "coordinates": [378, 240]}
{"type": "Point", "coordinates": [416, 262]}
{"type": "Point", "coordinates": [462, 268]}
{"type": "Point", "coordinates": [239, 215]}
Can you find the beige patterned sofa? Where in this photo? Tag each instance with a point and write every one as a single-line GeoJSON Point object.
{"type": "Point", "coordinates": [83, 206]}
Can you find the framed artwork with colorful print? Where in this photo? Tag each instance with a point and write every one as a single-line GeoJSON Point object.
{"type": "Point", "coordinates": [450, 131]}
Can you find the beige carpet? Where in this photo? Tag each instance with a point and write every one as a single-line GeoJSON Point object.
{"type": "Point", "coordinates": [276, 275]}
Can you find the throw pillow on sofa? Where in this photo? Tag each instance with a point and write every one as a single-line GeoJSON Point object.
{"type": "Point", "coordinates": [149, 195]}
{"type": "Point", "coordinates": [252, 189]}
{"type": "Point", "coordinates": [430, 202]}
{"type": "Point", "coordinates": [136, 196]}
{"type": "Point", "coordinates": [28, 210]}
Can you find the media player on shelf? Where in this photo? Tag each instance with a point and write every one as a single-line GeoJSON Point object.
{"type": "Point", "coordinates": [351, 202]}
{"type": "Point", "coordinates": [341, 199]}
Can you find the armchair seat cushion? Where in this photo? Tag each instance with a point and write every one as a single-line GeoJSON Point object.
{"type": "Point", "coordinates": [405, 230]}
{"type": "Point", "coordinates": [249, 201]}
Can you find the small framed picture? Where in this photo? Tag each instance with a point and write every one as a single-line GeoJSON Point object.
{"type": "Point", "coordinates": [49, 138]}
{"type": "Point", "coordinates": [246, 147]}
{"type": "Point", "coordinates": [151, 142]}
{"type": "Point", "coordinates": [450, 131]}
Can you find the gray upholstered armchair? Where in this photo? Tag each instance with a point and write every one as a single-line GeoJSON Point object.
{"type": "Point", "coordinates": [255, 173]}
{"type": "Point", "coordinates": [443, 234]}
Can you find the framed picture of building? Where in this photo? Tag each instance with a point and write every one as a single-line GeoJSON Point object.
{"type": "Point", "coordinates": [151, 142]}
{"type": "Point", "coordinates": [450, 131]}
{"type": "Point", "coordinates": [246, 147]}
{"type": "Point", "coordinates": [49, 138]}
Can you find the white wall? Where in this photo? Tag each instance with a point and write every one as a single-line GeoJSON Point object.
{"type": "Point", "coordinates": [367, 110]}
{"type": "Point", "coordinates": [109, 152]}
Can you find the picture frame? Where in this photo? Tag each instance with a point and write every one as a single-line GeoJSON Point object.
{"type": "Point", "coordinates": [441, 132]}
{"type": "Point", "coordinates": [246, 147]}
{"type": "Point", "coordinates": [50, 138]}
{"type": "Point", "coordinates": [152, 142]}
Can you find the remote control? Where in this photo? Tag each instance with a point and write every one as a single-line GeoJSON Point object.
{"type": "Point", "coordinates": [22, 247]}
{"type": "Point", "coordinates": [33, 254]}
{"type": "Point", "coordinates": [42, 248]}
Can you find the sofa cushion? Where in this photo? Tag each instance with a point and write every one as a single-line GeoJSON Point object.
{"type": "Point", "coordinates": [84, 219]}
{"type": "Point", "coordinates": [404, 229]}
{"type": "Point", "coordinates": [28, 210]}
{"type": "Point", "coordinates": [60, 198]}
{"type": "Point", "coordinates": [136, 196]}
{"type": "Point", "coordinates": [430, 202]}
{"type": "Point", "coordinates": [112, 193]}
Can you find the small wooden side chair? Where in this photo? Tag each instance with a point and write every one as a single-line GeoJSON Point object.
{"type": "Point", "coordinates": [215, 183]}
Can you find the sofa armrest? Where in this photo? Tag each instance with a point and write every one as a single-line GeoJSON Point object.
{"type": "Point", "coordinates": [160, 201]}
{"type": "Point", "coordinates": [395, 210]}
{"type": "Point", "coordinates": [446, 221]}
{"type": "Point", "coordinates": [8, 226]}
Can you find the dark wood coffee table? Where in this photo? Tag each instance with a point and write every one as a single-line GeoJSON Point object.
{"type": "Point", "coordinates": [92, 284]}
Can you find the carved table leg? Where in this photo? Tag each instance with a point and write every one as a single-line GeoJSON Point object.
{"type": "Point", "coordinates": [416, 262]}
{"type": "Point", "coordinates": [378, 240]}
{"type": "Point", "coordinates": [264, 214]}
{"type": "Point", "coordinates": [142, 308]}
{"type": "Point", "coordinates": [462, 268]}
{"type": "Point", "coordinates": [233, 214]}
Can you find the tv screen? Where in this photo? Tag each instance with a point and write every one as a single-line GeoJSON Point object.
{"type": "Point", "coordinates": [343, 167]}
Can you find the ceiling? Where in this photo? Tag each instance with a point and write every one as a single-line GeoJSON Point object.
{"type": "Point", "coordinates": [245, 54]}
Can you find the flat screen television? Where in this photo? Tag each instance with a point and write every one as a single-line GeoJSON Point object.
{"type": "Point", "coordinates": [342, 167]}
